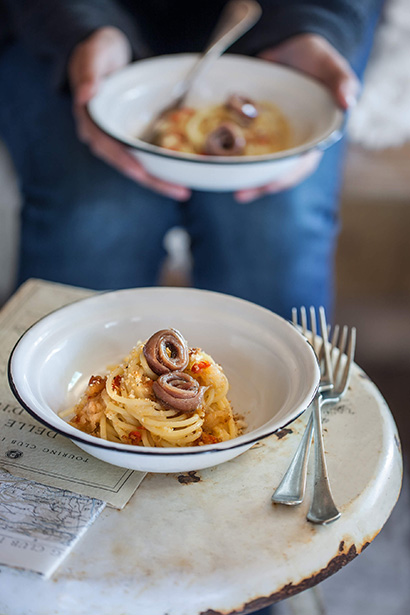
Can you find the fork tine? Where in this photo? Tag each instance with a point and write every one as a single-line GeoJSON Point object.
{"type": "Point", "coordinates": [349, 360]}
{"type": "Point", "coordinates": [333, 345]}
{"type": "Point", "coordinates": [327, 376]}
{"type": "Point", "coordinates": [321, 353]}
{"type": "Point", "coordinates": [313, 328]}
{"type": "Point", "coordinates": [303, 319]}
{"type": "Point", "coordinates": [320, 345]}
{"type": "Point", "coordinates": [335, 337]}
{"type": "Point", "coordinates": [341, 349]}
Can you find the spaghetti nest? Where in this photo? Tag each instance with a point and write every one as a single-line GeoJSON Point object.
{"type": "Point", "coordinates": [144, 402]}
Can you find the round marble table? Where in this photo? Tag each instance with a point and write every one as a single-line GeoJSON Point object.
{"type": "Point", "coordinates": [212, 542]}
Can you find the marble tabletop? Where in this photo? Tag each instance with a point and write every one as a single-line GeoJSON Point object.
{"type": "Point", "coordinates": [211, 541]}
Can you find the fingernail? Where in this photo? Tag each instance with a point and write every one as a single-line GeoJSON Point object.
{"type": "Point", "coordinates": [246, 197]}
{"type": "Point", "coordinates": [85, 92]}
{"type": "Point", "coordinates": [351, 101]}
{"type": "Point", "coordinates": [180, 194]}
{"type": "Point", "coordinates": [348, 92]}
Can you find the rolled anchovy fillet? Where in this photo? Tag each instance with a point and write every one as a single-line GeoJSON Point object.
{"type": "Point", "coordinates": [179, 390]}
{"type": "Point", "coordinates": [166, 351]}
{"type": "Point", "coordinates": [226, 140]}
{"type": "Point", "coordinates": [243, 108]}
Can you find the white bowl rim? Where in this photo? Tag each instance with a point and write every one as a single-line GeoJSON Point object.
{"type": "Point", "coordinates": [327, 138]}
{"type": "Point", "coordinates": [118, 447]}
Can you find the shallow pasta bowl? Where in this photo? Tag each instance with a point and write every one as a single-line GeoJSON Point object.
{"type": "Point", "coordinates": [129, 99]}
{"type": "Point", "coordinates": [271, 368]}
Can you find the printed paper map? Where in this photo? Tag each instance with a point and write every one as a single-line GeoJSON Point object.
{"type": "Point", "coordinates": [39, 525]}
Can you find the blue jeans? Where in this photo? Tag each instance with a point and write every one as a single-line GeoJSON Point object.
{"type": "Point", "coordinates": [85, 224]}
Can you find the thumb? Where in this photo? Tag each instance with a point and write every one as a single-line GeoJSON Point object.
{"type": "Point", "coordinates": [104, 51]}
{"type": "Point", "coordinates": [85, 90]}
{"type": "Point", "coordinates": [347, 91]}
{"type": "Point", "coordinates": [85, 74]}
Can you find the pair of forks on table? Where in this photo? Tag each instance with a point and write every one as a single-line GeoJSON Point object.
{"type": "Point", "coordinates": [335, 352]}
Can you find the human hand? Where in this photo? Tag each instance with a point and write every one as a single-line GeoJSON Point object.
{"type": "Point", "coordinates": [103, 52]}
{"type": "Point", "coordinates": [315, 56]}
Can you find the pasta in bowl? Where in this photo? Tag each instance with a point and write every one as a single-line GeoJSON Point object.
{"type": "Point", "coordinates": [162, 394]}
{"type": "Point", "coordinates": [238, 127]}
{"type": "Point", "coordinates": [271, 370]}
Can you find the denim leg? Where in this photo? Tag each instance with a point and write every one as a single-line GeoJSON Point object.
{"type": "Point", "coordinates": [83, 223]}
{"type": "Point", "coordinates": [276, 251]}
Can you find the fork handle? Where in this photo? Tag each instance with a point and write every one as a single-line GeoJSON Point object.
{"type": "Point", "coordinates": [237, 18]}
{"type": "Point", "coordinates": [291, 489]}
{"type": "Point", "coordinates": [322, 509]}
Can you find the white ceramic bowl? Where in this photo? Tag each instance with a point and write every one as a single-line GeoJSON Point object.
{"type": "Point", "coordinates": [272, 370]}
{"type": "Point", "coordinates": [130, 98]}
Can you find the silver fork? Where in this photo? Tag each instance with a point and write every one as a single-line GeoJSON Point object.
{"type": "Point", "coordinates": [291, 489]}
{"type": "Point", "coordinates": [323, 509]}
{"type": "Point", "coordinates": [332, 386]}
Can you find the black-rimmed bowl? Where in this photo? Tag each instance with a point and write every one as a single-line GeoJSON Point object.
{"type": "Point", "coordinates": [131, 97]}
{"type": "Point", "coordinates": [272, 369]}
